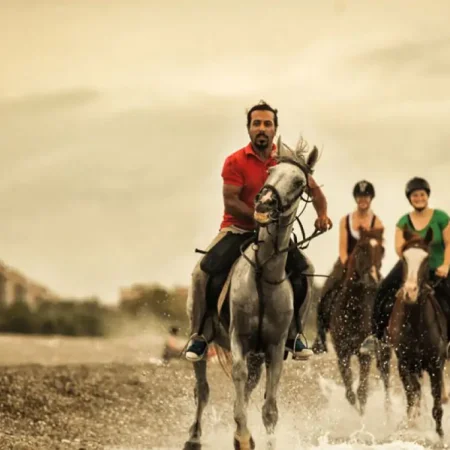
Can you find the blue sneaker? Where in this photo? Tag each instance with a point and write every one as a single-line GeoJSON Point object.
{"type": "Point", "coordinates": [196, 350]}
{"type": "Point", "coordinates": [368, 346]}
{"type": "Point", "coordinates": [298, 349]}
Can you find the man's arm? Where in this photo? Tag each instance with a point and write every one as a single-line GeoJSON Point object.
{"type": "Point", "coordinates": [323, 222]}
{"type": "Point", "coordinates": [234, 205]}
{"type": "Point", "coordinates": [318, 198]}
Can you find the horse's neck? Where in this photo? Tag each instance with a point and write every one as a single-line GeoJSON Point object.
{"type": "Point", "coordinates": [355, 290]}
{"type": "Point", "coordinates": [275, 238]}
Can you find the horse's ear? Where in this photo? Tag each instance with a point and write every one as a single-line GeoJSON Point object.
{"type": "Point", "coordinates": [429, 235]}
{"type": "Point", "coordinates": [407, 233]}
{"type": "Point", "coordinates": [279, 145]}
{"type": "Point", "coordinates": [283, 149]}
{"type": "Point", "coordinates": [313, 157]}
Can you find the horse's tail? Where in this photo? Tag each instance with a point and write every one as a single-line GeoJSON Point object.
{"type": "Point", "coordinates": [225, 359]}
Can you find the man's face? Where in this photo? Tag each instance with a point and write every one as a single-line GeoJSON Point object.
{"type": "Point", "coordinates": [262, 129]}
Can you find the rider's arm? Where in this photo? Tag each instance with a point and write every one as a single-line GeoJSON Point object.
{"type": "Point", "coordinates": [233, 182]}
{"type": "Point", "coordinates": [399, 241]}
{"type": "Point", "coordinates": [234, 205]}
{"type": "Point", "coordinates": [343, 241]}
{"type": "Point", "coordinates": [318, 198]}
{"type": "Point", "coordinates": [446, 239]}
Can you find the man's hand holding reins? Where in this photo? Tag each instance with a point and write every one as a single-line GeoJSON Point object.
{"type": "Point", "coordinates": [323, 223]}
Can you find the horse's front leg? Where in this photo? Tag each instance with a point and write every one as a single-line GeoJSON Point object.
{"type": "Point", "coordinates": [444, 396]}
{"type": "Point", "coordinates": [364, 369]}
{"type": "Point", "coordinates": [412, 387]}
{"type": "Point", "coordinates": [242, 437]}
{"type": "Point", "coordinates": [383, 356]}
{"type": "Point", "coordinates": [254, 366]}
{"type": "Point", "coordinates": [201, 394]}
{"type": "Point", "coordinates": [274, 368]}
{"type": "Point", "coordinates": [347, 378]}
{"type": "Point", "coordinates": [436, 377]}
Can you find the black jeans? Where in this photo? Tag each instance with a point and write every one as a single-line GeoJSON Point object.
{"type": "Point", "coordinates": [385, 298]}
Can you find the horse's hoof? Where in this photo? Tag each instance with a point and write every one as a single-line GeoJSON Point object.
{"type": "Point", "coordinates": [319, 347]}
{"type": "Point", "coordinates": [192, 446]}
{"type": "Point", "coordinates": [351, 397]}
{"type": "Point", "coordinates": [270, 443]}
{"type": "Point", "coordinates": [244, 445]}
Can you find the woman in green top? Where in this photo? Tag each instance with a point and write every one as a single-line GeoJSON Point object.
{"type": "Point", "coordinates": [419, 220]}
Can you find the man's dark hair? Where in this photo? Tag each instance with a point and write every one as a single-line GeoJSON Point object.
{"type": "Point", "coordinates": [262, 106]}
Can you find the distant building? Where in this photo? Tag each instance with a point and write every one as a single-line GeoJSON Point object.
{"type": "Point", "coordinates": [136, 291]}
{"type": "Point", "coordinates": [14, 286]}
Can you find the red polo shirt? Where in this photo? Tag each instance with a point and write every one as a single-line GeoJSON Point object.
{"type": "Point", "coordinates": [246, 169]}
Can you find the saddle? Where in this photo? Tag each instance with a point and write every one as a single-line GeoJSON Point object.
{"type": "Point", "coordinates": [219, 263]}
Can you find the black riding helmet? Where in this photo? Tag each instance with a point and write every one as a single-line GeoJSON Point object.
{"type": "Point", "coordinates": [417, 184]}
{"type": "Point", "coordinates": [363, 188]}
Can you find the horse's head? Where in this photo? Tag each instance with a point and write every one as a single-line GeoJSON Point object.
{"type": "Point", "coordinates": [285, 184]}
{"type": "Point", "coordinates": [415, 256]}
{"type": "Point", "coordinates": [365, 260]}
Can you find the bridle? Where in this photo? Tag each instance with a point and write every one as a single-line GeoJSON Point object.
{"type": "Point", "coordinates": [275, 214]}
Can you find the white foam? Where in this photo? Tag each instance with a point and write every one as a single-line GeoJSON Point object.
{"type": "Point", "coordinates": [338, 426]}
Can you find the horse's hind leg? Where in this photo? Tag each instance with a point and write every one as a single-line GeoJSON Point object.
{"type": "Point", "coordinates": [364, 369]}
{"type": "Point", "coordinates": [436, 390]}
{"type": "Point", "coordinates": [254, 366]}
{"type": "Point", "coordinates": [242, 437]}
{"type": "Point", "coordinates": [201, 394]}
{"type": "Point", "coordinates": [346, 373]}
{"type": "Point", "coordinates": [383, 356]}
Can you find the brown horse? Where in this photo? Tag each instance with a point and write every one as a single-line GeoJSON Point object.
{"type": "Point", "coordinates": [418, 328]}
{"type": "Point", "coordinates": [352, 313]}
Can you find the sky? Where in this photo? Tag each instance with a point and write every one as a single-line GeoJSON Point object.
{"type": "Point", "coordinates": [117, 117]}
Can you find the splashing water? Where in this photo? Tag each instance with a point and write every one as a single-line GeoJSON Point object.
{"type": "Point", "coordinates": [338, 426]}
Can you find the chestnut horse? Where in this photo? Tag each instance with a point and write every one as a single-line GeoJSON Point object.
{"type": "Point", "coordinates": [418, 328]}
{"type": "Point", "coordinates": [351, 315]}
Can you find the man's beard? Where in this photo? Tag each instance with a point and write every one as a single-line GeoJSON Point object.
{"type": "Point", "coordinates": [261, 144]}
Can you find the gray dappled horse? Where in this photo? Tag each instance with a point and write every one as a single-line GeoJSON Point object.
{"type": "Point", "coordinates": [260, 299]}
{"type": "Point", "coordinates": [351, 315]}
{"type": "Point", "coordinates": [418, 329]}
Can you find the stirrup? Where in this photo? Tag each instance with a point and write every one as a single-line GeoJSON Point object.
{"type": "Point", "coordinates": [306, 353]}
{"type": "Point", "coordinates": [198, 337]}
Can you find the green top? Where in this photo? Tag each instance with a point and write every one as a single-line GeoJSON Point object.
{"type": "Point", "coordinates": [439, 220]}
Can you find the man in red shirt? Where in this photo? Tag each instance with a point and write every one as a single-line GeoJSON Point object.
{"type": "Point", "coordinates": [244, 174]}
